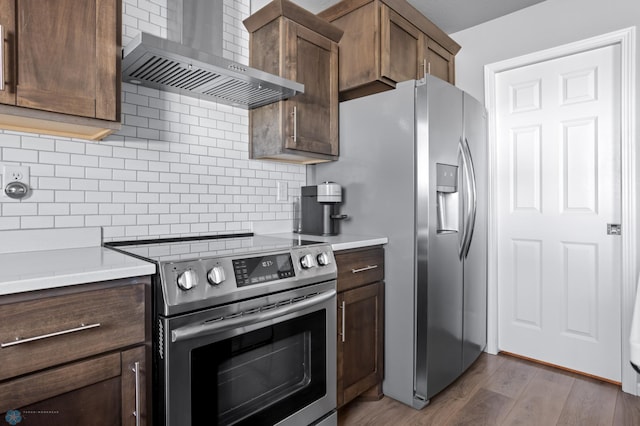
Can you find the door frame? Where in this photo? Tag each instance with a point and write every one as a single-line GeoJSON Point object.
{"type": "Point", "coordinates": [626, 39]}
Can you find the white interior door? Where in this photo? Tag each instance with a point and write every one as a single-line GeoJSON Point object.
{"type": "Point", "coordinates": [558, 172]}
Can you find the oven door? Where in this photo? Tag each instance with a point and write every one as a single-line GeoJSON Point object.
{"type": "Point", "coordinates": [265, 361]}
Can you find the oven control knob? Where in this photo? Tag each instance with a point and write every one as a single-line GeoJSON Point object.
{"type": "Point", "coordinates": [188, 279]}
{"type": "Point", "coordinates": [307, 261]}
{"type": "Point", "coordinates": [324, 259]}
{"type": "Point", "coordinates": [216, 275]}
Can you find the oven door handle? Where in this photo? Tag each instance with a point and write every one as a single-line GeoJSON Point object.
{"type": "Point", "coordinates": [207, 328]}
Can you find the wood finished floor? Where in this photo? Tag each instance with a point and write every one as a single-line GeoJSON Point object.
{"type": "Point", "coordinates": [503, 390]}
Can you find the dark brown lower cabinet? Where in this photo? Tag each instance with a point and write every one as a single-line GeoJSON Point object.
{"type": "Point", "coordinates": [98, 391]}
{"type": "Point", "coordinates": [93, 375]}
{"type": "Point", "coordinates": [133, 383]}
{"type": "Point", "coordinates": [96, 404]}
{"type": "Point", "coordinates": [360, 342]}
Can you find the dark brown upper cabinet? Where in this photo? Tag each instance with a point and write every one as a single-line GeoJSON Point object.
{"type": "Point", "coordinates": [386, 42]}
{"type": "Point", "coordinates": [61, 67]}
{"type": "Point", "coordinates": [293, 43]}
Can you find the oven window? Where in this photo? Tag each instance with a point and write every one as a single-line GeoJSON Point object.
{"type": "Point", "coordinates": [260, 377]}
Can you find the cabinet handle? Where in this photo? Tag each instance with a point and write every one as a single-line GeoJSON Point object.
{"type": "Point", "coordinates": [343, 307]}
{"type": "Point", "coordinates": [366, 268]}
{"type": "Point", "coordinates": [1, 58]}
{"type": "Point", "coordinates": [20, 341]}
{"type": "Point", "coordinates": [136, 371]}
{"type": "Point", "coordinates": [427, 67]}
{"type": "Point", "coordinates": [294, 114]}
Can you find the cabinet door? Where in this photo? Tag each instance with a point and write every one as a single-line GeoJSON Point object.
{"type": "Point", "coordinates": [82, 393]}
{"type": "Point", "coordinates": [8, 35]}
{"type": "Point", "coordinates": [312, 60]}
{"type": "Point", "coordinates": [439, 61]}
{"type": "Point", "coordinates": [360, 340]}
{"type": "Point", "coordinates": [134, 387]}
{"type": "Point", "coordinates": [67, 56]}
{"type": "Point", "coordinates": [401, 56]}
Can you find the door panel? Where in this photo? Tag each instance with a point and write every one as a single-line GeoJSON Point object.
{"type": "Point", "coordinates": [401, 42]}
{"type": "Point", "coordinates": [315, 121]}
{"type": "Point", "coordinates": [358, 369]}
{"type": "Point", "coordinates": [439, 61]}
{"type": "Point", "coordinates": [57, 65]}
{"type": "Point", "coordinates": [558, 187]}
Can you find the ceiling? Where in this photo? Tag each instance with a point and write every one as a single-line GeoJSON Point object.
{"type": "Point", "coordinates": [450, 15]}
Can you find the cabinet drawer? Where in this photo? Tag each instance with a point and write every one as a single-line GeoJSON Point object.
{"type": "Point", "coordinates": [359, 267]}
{"type": "Point", "coordinates": [40, 333]}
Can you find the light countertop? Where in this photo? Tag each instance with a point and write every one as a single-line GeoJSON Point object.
{"type": "Point", "coordinates": [31, 269]}
{"type": "Point", "coordinates": [338, 242]}
{"type": "Point", "coordinates": [41, 259]}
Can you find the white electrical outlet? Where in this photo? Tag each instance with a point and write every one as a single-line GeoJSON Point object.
{"type": "Point", "coordinates": [14, 174]}
{"type": "Point", "coordinates": [282, 191]}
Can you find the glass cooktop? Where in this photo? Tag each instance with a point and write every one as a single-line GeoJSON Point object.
{"type": "Point", "coordinates": [200, 247]}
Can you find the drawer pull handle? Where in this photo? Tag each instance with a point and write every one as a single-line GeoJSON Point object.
{"type": "Point", "coordinates": [136, 371]}
{"type": "Point", "coordinates": [20, 341]}
{"type": "Point", "coordinates": [366, 268]}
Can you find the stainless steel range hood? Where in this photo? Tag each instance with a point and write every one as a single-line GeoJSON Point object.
{"type": "Point", "coordinates": [190, 61]}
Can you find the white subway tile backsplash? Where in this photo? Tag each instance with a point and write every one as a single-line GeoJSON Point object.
{"type": "Point", "coordinates": [84, 185]}
{"type": "Point", "coordinates": [9, 140]}
{"type": "Point", "coordinates": [19, 155]}
{"type": "Point", "coordinates": [70, 147]}
{"type": "Point", "coordinates": [111, 185]}
{"type": "Point", "coordinates": [7, 222]}
{"type": "Point", "coordinates": [69, 196]}
{"type": "Point", "coordinates": [69, 171]}
{"type": "Point", "coordinates": [96, 220]}
{"type": "Point", "coordinates": [37, 143]}
{"type": "Point", "coordinates": [69, 221]}
{"type": "Point", "coordinates": [84, 209]}
{"type": "Point", "coordinates": [111, 163]}
{"type": "Point", "coordinates": [178, 166]}
{"type": "Point", "coordinates": [34, 222]}
{"type": "Point", "coordinates": [97, 197]}
{"type": "Point", "coordinates": [20, 209]}
{"type": "Point", "coordinates": [53, 208]}
{"type": "Point", "coordinates": [84, 160]}
{"type": "Point", "coordinates": [53, 183]}
{"type": "Point", "coordinates": [40, 196]}
{"type": "Point", "coordinates": [124, 197]}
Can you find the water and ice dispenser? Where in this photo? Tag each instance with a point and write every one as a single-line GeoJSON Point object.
{"type": "Point", "coordinates": [447, 198]}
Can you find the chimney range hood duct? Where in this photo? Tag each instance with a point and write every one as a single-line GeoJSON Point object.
{"type": "Point", "coordinates": [190, 61]}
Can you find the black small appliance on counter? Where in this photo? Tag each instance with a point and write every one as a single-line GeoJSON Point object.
{"type": "Point", "coordinates": [319, 209]}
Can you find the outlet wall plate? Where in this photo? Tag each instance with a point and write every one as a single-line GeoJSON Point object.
{"type": "Point", "coordinates": [12, 174]}
{"type": "Point", "coordinates": [282, 191]}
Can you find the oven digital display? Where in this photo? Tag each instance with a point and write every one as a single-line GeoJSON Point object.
{"type": "Point", "coordinates": [257, 270]}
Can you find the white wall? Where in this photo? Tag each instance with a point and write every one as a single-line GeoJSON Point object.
{"type": "Point", "coordinates": [178, 165]}
{"type": "Point", "coordinates": [548, 24]}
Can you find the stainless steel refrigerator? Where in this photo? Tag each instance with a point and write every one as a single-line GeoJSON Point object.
{"type": "Point", "coordinates": [413, 167]}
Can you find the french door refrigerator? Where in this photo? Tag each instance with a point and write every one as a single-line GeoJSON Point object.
{"type": "Point", "coordinates": [413, 168]}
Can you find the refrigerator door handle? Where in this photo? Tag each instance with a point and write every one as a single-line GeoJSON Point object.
{"type": "Point", "coordinates": [464, 199]}
{"type": "Point", "coordinates": [472, 197]}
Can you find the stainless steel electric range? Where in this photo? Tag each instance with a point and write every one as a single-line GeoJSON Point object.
{"type": "Point", "coordinates": [243, 330]}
